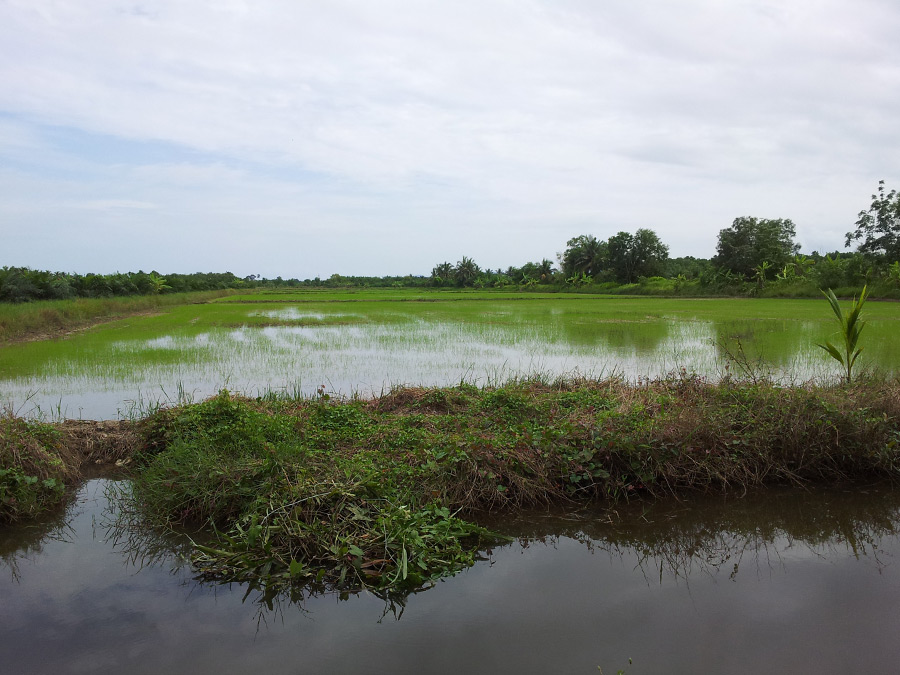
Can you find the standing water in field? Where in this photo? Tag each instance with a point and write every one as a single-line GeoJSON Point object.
{"type": "Point", "coordinates": [786, 581]}
{"type": "Point", "coordinates": [366, 348]}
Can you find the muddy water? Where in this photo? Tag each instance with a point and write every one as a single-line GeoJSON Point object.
{"type": "Point", "coordinates": [780, 582]}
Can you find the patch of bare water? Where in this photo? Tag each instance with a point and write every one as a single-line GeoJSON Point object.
{"type": "Point", "coordinates": [797, 582]}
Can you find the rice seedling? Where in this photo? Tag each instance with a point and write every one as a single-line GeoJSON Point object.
{"type": "Point", "coordinates": [365, 346]}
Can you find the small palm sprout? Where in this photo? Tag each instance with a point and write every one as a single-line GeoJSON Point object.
{"type": "Point", "coordinates": [851, 327]}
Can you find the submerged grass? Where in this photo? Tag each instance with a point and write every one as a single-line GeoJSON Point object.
{"type": "Point", "coordinates": [382, 493]}
{"type": "Point", "coordinates": [365, 346]}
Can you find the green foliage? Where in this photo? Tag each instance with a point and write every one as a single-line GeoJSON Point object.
{"type": "Point", "coordinates": [831, 272]}
{"type": "Point", "coordinates": [750, 242]}
{"type": "Point", "coordinates": [761, 271]}
{"type": "Point", "coordinates": [32, 474]}
{"type": "Point", "coordinates": [376, 493]}
{"type": "Point", "coordinates": [506, 404]}
{"type": "Point", "coordinates": [580, 280]}
{"type": "Point", "coordinates": [878, 227]}
{"type": "Point", "coordinates": [624, 257]}
{"type": "Point", "coordinates": [442, 275]}
{"type": "Point", "coordinates": [585, 256]}
{"type": "Point", "coordinates": [292, 504]}
{"type": "Point", "coordinates": [851, 327]}
{"type": "Point", "coordinates": [24, 496]}
{"type": "Point", "coordinates": [22, 284]}
{"type": "Point", "coordinates": [894, 274]}
{"type": "Point", "coordinates": [689, 267]}
{"type": "Point", "coordinates": [225, 423]}
{"type": "Point", "coordinates": [157, 283]}
{"type": "Point", "coordinates": [466, 272]}
{"type": "Point", "coordinates": [639, 255]}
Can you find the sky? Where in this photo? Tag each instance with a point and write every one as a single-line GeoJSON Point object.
{"type": "Point", "coordinates": [377, 137]}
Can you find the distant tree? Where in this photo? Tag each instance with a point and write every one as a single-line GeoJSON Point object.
{"type": "Point", "coordinates": [16, 286]}
{"type": "Point", "coordinates": [21, 284]}
{"type": "Point", "coordinates": [831, 271]}
{"type": "Point", "coordinates": [545, 269]}
{"type": "Point", "coordinates": [641, 254]}
{"type": "Point", "coordinates": [466, 272]}
{"type": "Point", "coordinates": [687, 266]}
{"type": "Point", "coordinates": [878, 228]}
{"type": "Point", "coordinates": [442, 275]}
{"type": "Point", "coordinates": [750, 242]}
{"type": "Point", "coordinates": [532, 272]}
{"type": "Point", "coordinates": [584, 255]}
{"type": "Point", "coordinates": [619, 256]}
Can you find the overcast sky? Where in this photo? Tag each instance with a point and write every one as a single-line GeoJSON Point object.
{"type": "Point", "coordinates": [383, 137]}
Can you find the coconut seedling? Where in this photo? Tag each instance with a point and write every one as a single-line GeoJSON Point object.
{"type": "Point", "coordinates": [850, 328]}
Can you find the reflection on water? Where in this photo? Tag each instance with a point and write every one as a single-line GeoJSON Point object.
{"type": "Point", "coordinates": [786, 581]}
{"type": "Point", "coordinates": [298, 315]}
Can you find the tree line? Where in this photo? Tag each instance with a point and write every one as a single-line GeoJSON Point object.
{"type": "Point", "coordinates": [753, 256]}
{"type": "Point", "coordinates": [22, 284]}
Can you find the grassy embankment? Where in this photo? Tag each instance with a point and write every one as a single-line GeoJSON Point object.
{"type": "Point", "coordinates": [383, 492]}
{"type": "Point", "coordinates": [52, 318]}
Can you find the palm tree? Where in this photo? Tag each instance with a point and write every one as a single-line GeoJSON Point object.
{"type": "Point", "coordinates": [442, 274]}
{"type": "Point", "coordinates": [466, 272]}
{"type": "Point", "coordinates": [584, 255]}
{"type": "Point", "coordinates": [545, 269]}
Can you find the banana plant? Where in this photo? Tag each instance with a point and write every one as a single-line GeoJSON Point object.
{"type": "Point", "coordinates": [760, 272]}
{"type": "Point", "coordinates": [158, 283]}
{"type": "Point", "coordinates": [851, 327]}
{"type": "Point", "coordinates": [894, 273]}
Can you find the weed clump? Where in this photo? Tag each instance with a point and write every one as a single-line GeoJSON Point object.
{"type": "Point", "coordinates": [33, 474]}
{"type": "Point", "coordinates": [40, 462]}
{"type": "Point", "coordinates": [297, 497]}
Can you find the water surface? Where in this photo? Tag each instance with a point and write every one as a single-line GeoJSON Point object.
{"type": "Point", "coordinates": [784, 581]}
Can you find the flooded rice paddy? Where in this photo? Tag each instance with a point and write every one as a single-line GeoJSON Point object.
{"type": "Point", "coordinates": [365, 348]}
{"type": "Point", "coordinates": [787, 581]}
{"type": "Point", "coordinates": [794, 582]}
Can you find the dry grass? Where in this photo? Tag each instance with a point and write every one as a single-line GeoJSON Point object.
{"type": "Point", "coordinates": [106, 442]}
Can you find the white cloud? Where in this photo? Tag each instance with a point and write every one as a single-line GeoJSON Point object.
{"type": "Point", "coordinates": [112, 204]}
{"type": "Point", "coordinates": [556, 117]}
